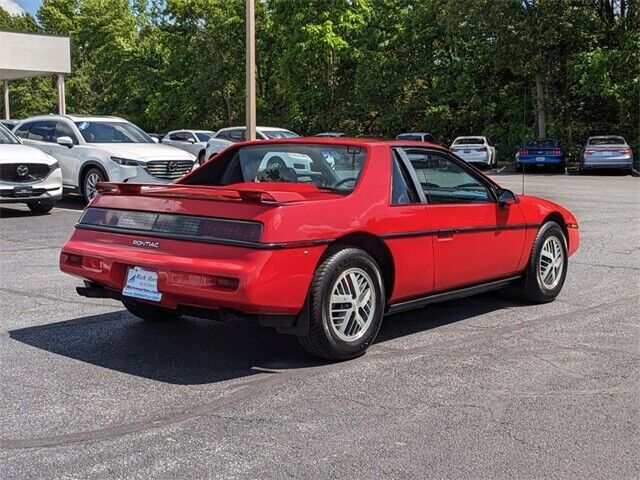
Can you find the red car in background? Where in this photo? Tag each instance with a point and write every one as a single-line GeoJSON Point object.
{"type": "Point", "coordinates": [322, 252]}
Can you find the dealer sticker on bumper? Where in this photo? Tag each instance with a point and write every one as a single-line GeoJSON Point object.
{"type": "Point", "coordinates": [143, 284]}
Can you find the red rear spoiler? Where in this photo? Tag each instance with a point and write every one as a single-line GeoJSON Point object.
{"type": "Point", "coordinates": [198, 191]}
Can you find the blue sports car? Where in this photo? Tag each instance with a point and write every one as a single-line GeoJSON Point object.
{"type": "Point", "coordinates": [545, 153]}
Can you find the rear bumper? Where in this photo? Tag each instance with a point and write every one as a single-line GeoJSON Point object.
{"type": "Point", "coordinates": [533, 160]}
{"type": "Point", "coordinates": [270, 282]}
{"type": "Point", "coordinates": [614, 162]}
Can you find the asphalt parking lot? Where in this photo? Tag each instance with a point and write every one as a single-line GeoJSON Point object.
{"type": "Point", "coordinates": [484, 387]}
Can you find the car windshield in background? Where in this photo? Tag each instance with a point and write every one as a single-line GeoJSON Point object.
{"type": "Point", "coordinates": [328, 167]}
{"type": "Point", "coordinates": [112, 132]}
{"type": "Point", "coordinates": [279, 134]}
{"type": "Point", "coordinates": [607, 141]}
{"type": "Point", "coordinates": [204, 136]}
{"type": "Point", "coordinates": [469, 141]}
{"type": "Point", "coordinates": [6, 138]}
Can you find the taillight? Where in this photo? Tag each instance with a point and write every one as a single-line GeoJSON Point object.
{"type": "Point", "coordinates": [524, 151]}
{"type": "Point", "coordinates": [589, 151]}
{"type": "Point", "coordinates": [169, 224]}
{"type": "Point", "coordinates": [556, 152]}
{"type": "Point", "coordinates": [625, 151]}
{"type": "Point", "coordinates": [204, 281]}
{"type": "Point", "coordinates": [481, 149]}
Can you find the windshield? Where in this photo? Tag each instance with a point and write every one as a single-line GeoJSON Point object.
{"type": "Point", "coordinates": [279, 134]}
{"type": "Point", "coordinates": [112, 132]}
{"type": "Point", "coordinates": [204, 136]}
{"type": "Point", "coordinates": [607, 141]}
{"type": "Point", "coordinates": [6, 137]}
{"type": "Point", "coordinates": [469, 141]}
{"type": "Point", "coordinates": [330, 167]}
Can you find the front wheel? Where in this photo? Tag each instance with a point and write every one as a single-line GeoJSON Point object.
{"type": "Point", "coordinates": [201, 157]}
{"type": "Point", "coordinates": [547, 268]}
{"type": "Point", "coordinates": [41, 206]}
{"type": "Point", "coordinates": [346, 305]}
{"type": "Point", "coordinates": [91, 178]}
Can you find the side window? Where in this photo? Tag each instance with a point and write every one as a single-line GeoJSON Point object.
{"type": "Point", "coordinates": [64, 130]}
{"type": "Point", "coordinates": [176, 136]}
{"type": "Point", "coordinates": [237, 135]}
{"type": "Point", "coordinates": [23, 131]}
{"type": "Point", "coordinates": [224, 135]}
{"type": "Point", "coordinates": [402, 191]}
{"type": "Point", "coordinates": [188, 135]}
{"type": "Point", "coordinates": [42, 131]}
{"type": "Point", "coordinates": [444, 181]}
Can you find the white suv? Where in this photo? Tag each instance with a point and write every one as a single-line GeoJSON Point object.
{"type": "Point", "coordinates": [192, 141]}
{"type": "Point", "coordinates": [27, 175]}
{"type": "Point", "coordinates": [94, 149]}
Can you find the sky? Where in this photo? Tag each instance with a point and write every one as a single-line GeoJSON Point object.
{"type": "Point", "coordinates": [30, 6]}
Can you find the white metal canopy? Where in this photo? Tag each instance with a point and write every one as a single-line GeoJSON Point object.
{"type": "Point", "coordinates": [26, 55]}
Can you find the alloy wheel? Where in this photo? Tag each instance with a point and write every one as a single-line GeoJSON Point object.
{"type": "Point", "coordinates": [90, 184]}
{"type": "Point", "coordinates": [352, 304]}
{"type": "Point", "coordinates": [551, 263]}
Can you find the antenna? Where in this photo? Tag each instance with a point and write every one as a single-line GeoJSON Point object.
{"type": "Point", "coordinates": [524, 129]}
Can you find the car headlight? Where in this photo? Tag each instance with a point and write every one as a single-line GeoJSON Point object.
{"type": "Point", "coordinates": [126, 162]}
{"type": "Point", "coordinates": [54, 166]}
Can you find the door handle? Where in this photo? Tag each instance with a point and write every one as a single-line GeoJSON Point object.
{"type": "Point", "coordinates": [445, 234]}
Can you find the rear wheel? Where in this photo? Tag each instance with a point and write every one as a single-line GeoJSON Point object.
{"type": "Point", "coordinates": [547, 268]}
{"type": "Point", "coordinates": [346, 305]}
{"type": "Point", "coordinates": [201, 157]}
{"type": "Point", "coordinates": [41, 206]}
{"type": "Point", "coordinates": [150, 313]}
{"type": "Point", "coordinates": [91, 178]}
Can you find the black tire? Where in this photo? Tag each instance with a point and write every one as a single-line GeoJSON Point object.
{"type": "Point", "coordinates": [201, 157]}
{"type": "Point", "coordinates": [150, 313]}
{"type": "Point", "coordinates": [88, 179]}
{"type": "Point", "coordinates": [322, 340]}
{"type": "Point", "coordinates": [531, 288]}
{"type": "Point", "coordinates": [41, 206]}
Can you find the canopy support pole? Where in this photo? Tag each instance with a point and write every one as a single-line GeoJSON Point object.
{"type": "Point", "coordinates": [62, 107]}
{"type": "Point", "coordinates": [5, 88]}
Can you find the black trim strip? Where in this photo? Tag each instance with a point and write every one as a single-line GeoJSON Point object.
{"type": "Point", "coordinates": [452, 231]}
{"type": "Point", "coordinates": [449, 295]}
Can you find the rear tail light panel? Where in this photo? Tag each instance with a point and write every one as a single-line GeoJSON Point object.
{"type": "Point", "coordinates": [169, 225]}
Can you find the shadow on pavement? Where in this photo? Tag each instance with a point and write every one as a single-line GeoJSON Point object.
{"type": "Point", "coordinates": [193, 351]}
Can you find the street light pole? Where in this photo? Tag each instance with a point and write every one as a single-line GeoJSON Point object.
{"type": "Point", "coordinates": [251, 70]}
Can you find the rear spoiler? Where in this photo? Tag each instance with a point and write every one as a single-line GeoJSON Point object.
{"type": "Point", "coordinates": [251, 195]}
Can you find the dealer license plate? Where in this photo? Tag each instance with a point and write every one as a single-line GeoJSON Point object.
{"type": "Point", "coordinates": [143, 284]}
{"type": "Point", "coordinates": [540, 159]}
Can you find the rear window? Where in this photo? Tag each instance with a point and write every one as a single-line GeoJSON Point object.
{"type": "Point", "coordinates": [543, 143]}
{"type": "Point", "coordinates": [330, 167]}
{"type": "Point", "coordinates": [469, 141]}
{"type": "Point", "coordinates": [607, 141]}
{"type": "Point", "coordinates": [273, 134]}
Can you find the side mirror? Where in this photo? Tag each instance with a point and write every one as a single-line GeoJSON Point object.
{"type": "Point", "coordinates": [191, 141]}
{"type": "Point", "coordinates": [155, 139]}
{"type": "Point", "coordinates": [506, 198]}
{"type": "Point", "coordinates": [65, 141]}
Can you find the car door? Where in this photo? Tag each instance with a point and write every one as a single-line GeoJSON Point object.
{"type": "Point", "coordinates": [69, 158]}
{"type": "Point", "coordinates": [475, 239]}
{"type": "Point", "coordinates": [40, 135]}
{"type": "Point", "coordinates": [190, 143]}
{"type": "Point", "coordinates": [409, 233]}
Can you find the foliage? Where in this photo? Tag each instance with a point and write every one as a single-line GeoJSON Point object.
{"type": "Point", "coordinates": [449, 67]}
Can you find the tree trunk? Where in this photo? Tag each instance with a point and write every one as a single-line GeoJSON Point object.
{"type": "Point", "coordinates": [542, 118]}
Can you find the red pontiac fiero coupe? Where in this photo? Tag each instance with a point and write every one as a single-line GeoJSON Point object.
{"type": "Point", "coordinates": [319, 238]}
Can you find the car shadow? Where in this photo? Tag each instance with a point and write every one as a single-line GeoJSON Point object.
{"type": "Point", "coordinates": [193, 351]}
{"type": "Point", "coordinates": [17, 211]}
